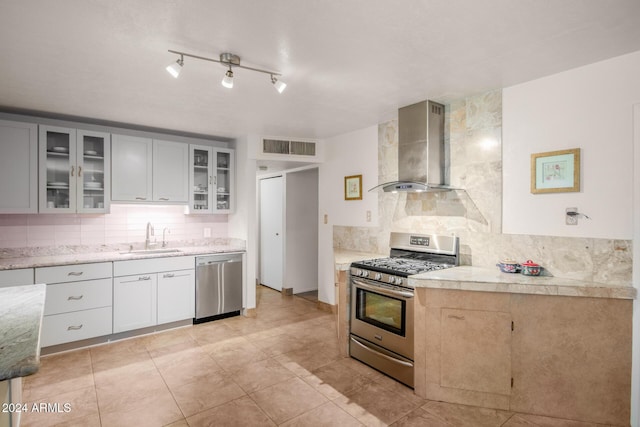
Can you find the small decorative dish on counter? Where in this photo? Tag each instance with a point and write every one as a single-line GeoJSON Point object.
{"type": "Point", "coordinates": [508, 266]}
{"type": "Point", "coordinates": [530, 268]}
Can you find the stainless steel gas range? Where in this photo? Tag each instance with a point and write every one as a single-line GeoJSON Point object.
{"type": "Point", "coordinates": [381, 324]}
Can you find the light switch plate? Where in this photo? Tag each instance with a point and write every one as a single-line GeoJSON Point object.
{"type": "Point", "coordinates": [571, 219]}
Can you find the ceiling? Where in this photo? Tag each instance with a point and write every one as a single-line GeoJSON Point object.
{"type": "Point", "coordinates": [348, 64]}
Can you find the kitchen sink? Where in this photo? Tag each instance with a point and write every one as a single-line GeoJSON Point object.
{"type": "Point", "coordinates": [151, 251]}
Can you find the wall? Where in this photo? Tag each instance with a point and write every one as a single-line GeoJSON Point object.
{"type": "Point", "coordinates": [354, 153]}
{"type": "Point", "coordinates": [125, 224]}
{"type": "Point", "coordinates": [588, 108]}
{"type": "Point", "coordinates": [242, 224]}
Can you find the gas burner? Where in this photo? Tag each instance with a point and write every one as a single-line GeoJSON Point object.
{"type": "Point", "coordinates": [401, 266]}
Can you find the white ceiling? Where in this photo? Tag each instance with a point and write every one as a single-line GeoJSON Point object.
{"type": "Point", "coordinates": [348, 64]}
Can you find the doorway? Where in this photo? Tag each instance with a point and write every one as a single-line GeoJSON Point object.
{"type": "Point", "coordinates": [271, 226]}
{"type": "Point", "coordinates": [288, 219]}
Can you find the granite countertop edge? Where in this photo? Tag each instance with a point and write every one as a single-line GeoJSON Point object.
{"type": "Point", "coordinates": [21, 309]}
{"type": "Point", "coordinates": [488, 280]}
{"type": "Point", "coordinates": [94, 257]}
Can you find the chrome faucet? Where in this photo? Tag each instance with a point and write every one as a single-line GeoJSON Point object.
{"type": "Point", "coordinates": [164, 240]}
{"type": "Point", "coordinates": [147, 242]}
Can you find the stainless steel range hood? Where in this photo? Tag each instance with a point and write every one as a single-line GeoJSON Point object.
{"type": "Point", "coordinates": [421, 152]}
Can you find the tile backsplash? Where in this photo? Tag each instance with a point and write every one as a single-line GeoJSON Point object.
{"type": "Point", "coordinates": [125, 224]}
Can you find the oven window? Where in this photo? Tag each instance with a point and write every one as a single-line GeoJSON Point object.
{"type": "Point", "coordinates": [382, 311]}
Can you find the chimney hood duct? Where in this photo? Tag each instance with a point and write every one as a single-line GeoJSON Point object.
{"type": "Point", "coordinates": [421, 153]}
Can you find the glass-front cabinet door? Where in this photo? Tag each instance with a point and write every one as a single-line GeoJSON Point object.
{"type": "Point", "coordinates": [57, 189]}
{"type": "Point", "coordinates": [93, 161]}
{"type": "Point", "coordinates": [74, 166]}
{"type": "Point", "coordinates": [223, 180]}
{"type": "Point", "coordinates": [201, 179]}
{"type": "Point", "coordinates": [210, 179]}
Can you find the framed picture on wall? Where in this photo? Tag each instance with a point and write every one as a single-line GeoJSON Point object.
{"type": "Point", "coordinates": [555, 171]}
{"type": "Point", "coordinates": [353, 187]}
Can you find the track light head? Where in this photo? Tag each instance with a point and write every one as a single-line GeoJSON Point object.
{"type": "Point", "coordinates": [175, 67]}
{"type": "Point", "coordinates": [227, 81]}
{"type": "Point", "coordinates": [278, 84]}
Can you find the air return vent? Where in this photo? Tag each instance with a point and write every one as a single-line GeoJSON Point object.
{"type": "Point", "coordinates": [295, 148]}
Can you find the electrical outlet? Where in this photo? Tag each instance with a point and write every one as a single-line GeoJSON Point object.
{"type": "Point", "coordinates": [326, 218]}
{"type": "Point", "coordinates": [571, 219]}
{"type": "Point", "coordinates": [368, 216]}
{"type": "Point", "coordinates": [207, 232]}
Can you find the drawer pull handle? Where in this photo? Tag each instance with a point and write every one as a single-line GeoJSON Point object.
{"type": "Point", "coordinates": [141, 198]}
{"type": "Point", "coordinates": [164, 198]}
{"type": "Point", "coordinates": [144, 278]}
{"type": "Point", "coordinates": [72, 298]}
{"type": "Point", "coordinates": [451, 316]}
{"type": "Point", "coordinates": [74, 328]}
{"type": "Point", "coordinates": [169, 275]}
{"type": "Point", "coordinates": [75, 273]}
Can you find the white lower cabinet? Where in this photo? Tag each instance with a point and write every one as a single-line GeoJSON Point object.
{"type": "Point", "coordinates": [134, 302]}
{"type": "Point", "coordinates": [78, 304]}
{"type": "Point", "coordinates": [176, 296]}
{"type": "Point", "coordinates": [152, 292]}
{"type": "Point", "coordinates": [23, 276]}
{"type": "Point", "coordinates": [74, 326]}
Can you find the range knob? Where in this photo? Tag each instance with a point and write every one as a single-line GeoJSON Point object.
{"type": "Point", "coordinates": [378, 276]}
{"type": "Point", "coordinates": [399, 281]}
{"type": "Point", "coordinates": [392, 279]}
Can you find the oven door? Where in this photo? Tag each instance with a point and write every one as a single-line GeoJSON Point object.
{"type": "Point", "coordinates": [383, 315]}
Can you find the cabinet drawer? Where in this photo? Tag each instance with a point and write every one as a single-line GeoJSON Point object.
{"type": "Point", "coordinates": [19, 277]}
{"type": "Point", "coordinates": [79, 325]}
{"type": "Point", "coordinates": [76, 296]}
{"type": "Point", "coordinates": [73, 273]}
{"type": "Point", "coordinates": [153, 265]}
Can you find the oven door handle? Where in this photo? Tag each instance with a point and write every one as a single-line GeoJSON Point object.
{"type": "Point", "coordinates": [381, 290]}
{"type": "Point", "coordinates": [384, 356]}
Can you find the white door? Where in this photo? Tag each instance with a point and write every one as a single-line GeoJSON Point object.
{"type": "Point", "coordinates": [271, 238]}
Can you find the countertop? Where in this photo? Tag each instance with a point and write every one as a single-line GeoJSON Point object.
{"type": "Point", "coordinates": [107, 256]}
{"type": "Point", "coordinates": [21, 309]}
{"type": "Point", "coordinates": [344, 258]}
{"type": "Point", "coordinates": [482, 279]}
{"type": "Point", "coordinates": [493, 280]}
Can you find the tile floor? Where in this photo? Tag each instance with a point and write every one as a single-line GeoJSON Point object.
{"type": "Point", "coordinates": [280, 368]}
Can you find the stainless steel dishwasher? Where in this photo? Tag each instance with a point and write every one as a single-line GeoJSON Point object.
{"type": "Point", "coordinates": [218, 286]}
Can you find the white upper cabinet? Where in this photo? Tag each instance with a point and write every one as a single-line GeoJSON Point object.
{"type": "Point", "coordinates": [170, 174]}
{"type": "Point", "coordinates": [211, 180]}
{"type": "Point", "coordinates": [149, 170]}
{"type": "Point", "coordinates": [74, 170]}
{"type": "Point", "coordinates": [18, 167]}
{"type": "Point", "coordinates": [93, 159]}
{"type": "Point", "coordinates": [131, 168]}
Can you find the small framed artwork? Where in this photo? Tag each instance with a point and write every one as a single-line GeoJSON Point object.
{"type": "Point", "coordinates": [555, 171]}
{"type": "Point", "coordinates": [353, 187]}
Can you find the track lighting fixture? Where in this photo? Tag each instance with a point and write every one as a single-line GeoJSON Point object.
{"type": "Point", "coordinates": [175, 68]}
{"type": "Point", "coordinates": [228, 60]}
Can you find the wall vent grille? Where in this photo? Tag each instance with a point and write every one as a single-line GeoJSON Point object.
{"type": "Point", "coordinates": [295, 148]}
